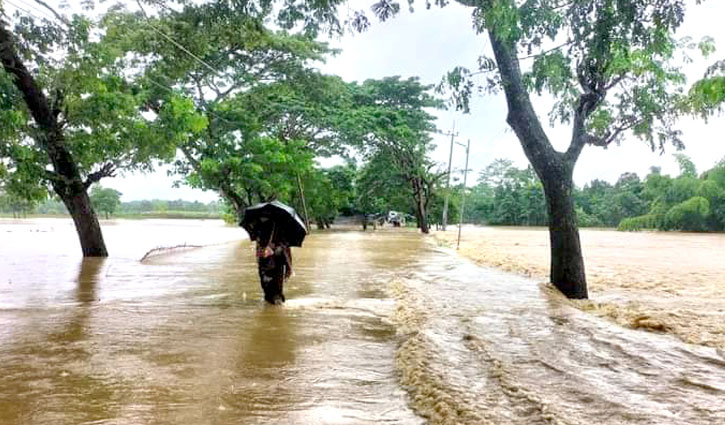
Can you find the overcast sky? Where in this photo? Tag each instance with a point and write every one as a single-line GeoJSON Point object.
{"type": "Point", "coordinates": [428, 43]}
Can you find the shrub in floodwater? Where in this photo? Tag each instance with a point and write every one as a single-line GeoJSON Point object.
{"type": "Point", "coordinates": [635, 224]}
{"type": "Point", "coordinates": [693, 214]}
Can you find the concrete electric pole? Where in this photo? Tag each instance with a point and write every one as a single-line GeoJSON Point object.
{"type": "Point", "coordinates": [463, 195]}
{"type": "Point", "coordinates": [453, 134]}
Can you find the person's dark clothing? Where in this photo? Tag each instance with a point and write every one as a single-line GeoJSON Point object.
{"type": "Point", "coordinates": [274, 261]}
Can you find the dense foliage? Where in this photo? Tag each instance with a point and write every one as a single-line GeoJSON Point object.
{"type": "Point", "coordinates": [507, 195]}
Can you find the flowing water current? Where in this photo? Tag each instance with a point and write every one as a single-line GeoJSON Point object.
{"type": "Point", "coordinates": [378, 328]}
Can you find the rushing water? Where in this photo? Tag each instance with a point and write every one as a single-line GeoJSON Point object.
{"type": "Point", "coordinates": [488, 347]}
{"type": "Point", "coordinates": [379, 328]}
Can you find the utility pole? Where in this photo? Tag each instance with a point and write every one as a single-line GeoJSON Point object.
{"type": "Point", "coordinates": [463, 195]}
{"type": "Point", "coordinates": [304, 204]}
{"type": "Point", "coordinates": [453, 134]}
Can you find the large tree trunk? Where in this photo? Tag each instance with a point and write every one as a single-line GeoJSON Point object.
{"type": "Point", "coordinates": [420, 206]}
{"type": "Point", "coordinates": [234, 199]}
{"type": "Point", "coordinates": [423, 219]}
{"type": "Point", "coordinates": [66, 179]}
{"type": "Point", "coordinates": [567, 263]}
{"type": "Point", "coordinates": [79, 206]}
{"type": "Point", "coordinates": [555, 169]}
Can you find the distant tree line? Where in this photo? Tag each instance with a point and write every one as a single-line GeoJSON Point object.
{"type": "Point", "coordinates": [507, 195]}
{"type": "Point", "coordinates": [108, 202]}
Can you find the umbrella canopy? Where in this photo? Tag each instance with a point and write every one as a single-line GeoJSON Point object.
{"type": "Point", "coordinates": [261, 219]}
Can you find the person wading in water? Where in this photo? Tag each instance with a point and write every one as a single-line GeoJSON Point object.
{"type": "Point", "coordinates": [274, 261]}
{"type": "Point", "coordinates": [275, 227]}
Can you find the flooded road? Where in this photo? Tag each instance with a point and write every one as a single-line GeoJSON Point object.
{"type": "Point", "coordinates": [379, 328]}
{"type": "Point", "coordinates": [184, 338]}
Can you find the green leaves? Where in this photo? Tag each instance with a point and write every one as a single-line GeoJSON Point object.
{"type": "Point", "coordinates": [181, 118]}
{"type": "Point", "coordinates": [689, 215]}
{"type": "Point", "coordinates": [615, 59]}
{"type": "Point", "coordinates": [707, 96]}
{"type": "Point", "coordinates": [550, 72]}
{"type": "Point", "coordinates": [99, 109]}
{"type": "Point", "coordinates": [458, 81]}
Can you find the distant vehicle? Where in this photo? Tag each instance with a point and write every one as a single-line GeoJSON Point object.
{"type": "Point", "coordinates": [397, 219]}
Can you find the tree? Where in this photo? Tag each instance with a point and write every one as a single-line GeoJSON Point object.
{"type": "Point", "coordinates": [246, 100]}
{"type": "Point", "coordinates": [713, 189]}
{"type": "Point", "coordinates": [687, 167]}
{"type": "Point", "coordinates": [304, 110]}
{"type": "Point", "coordinates": [389, 119]}
{"type": "Point", "coordinates": [342, 178]}
{"type": "Point", "coordinates": [105, 200]}
{"type": "Point", "coordinates": [482, 203]}
{"type": "Point", "coordinates": [685, 202]}
{"type": "Point", "coordinates": [609, 64]}
{"type": "Point", "coordinates": [381, 188]}
{"type": "Point", "coordinates": [689, 215]}
{"type": "Point", "coordinates": [70, 117]}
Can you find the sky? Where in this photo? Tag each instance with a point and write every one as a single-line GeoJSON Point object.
{"type": "Point", "coordinates": [429, 43]}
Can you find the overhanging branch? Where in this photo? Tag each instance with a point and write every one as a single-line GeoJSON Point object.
{"type": "Point", "coordinates": [107, 170]}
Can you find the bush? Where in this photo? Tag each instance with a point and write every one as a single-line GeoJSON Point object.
{"type": "Point", "coordinates": [635, 224]}
{"type": "Point", "coordinates": [692, 215]}
{"type": "Point", "coordinates": [587, 220]}
{"type": "Point", "coordinates": [229, 218]}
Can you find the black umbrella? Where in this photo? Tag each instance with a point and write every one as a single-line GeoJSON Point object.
{"type": "Point", "coordinates": [277, 217]}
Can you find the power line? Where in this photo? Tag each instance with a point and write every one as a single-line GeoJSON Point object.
{"type": "Point", "coordinates": [42, 12]}
{"type": "Point", "coordinates": [156, 83]}
{"type": "Point", "coordinates": [57, 15]}
{"type": "Point", "coordinates": [185, 50]}
{"type": "Point", "coordinates": [175, 43]}
{"type": "Point", "coordinates": [27, 12]}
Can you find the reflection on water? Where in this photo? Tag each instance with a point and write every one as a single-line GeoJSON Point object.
{"type": "Point", "coordinates": [379, 328]}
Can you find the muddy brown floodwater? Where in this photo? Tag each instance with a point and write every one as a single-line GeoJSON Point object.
{"type": "Point", "coordinates": [661, 281]}
{"type": "Point", "coordinates": [380, 327]}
